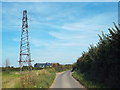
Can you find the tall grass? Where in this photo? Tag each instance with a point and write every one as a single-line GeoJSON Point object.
{"type": "Point", "coordinates": [0, 79]}
{"type": "Point", "coordinates": [34, 79]}
{"type": "Point", "coordinates": [38, 79]}
{"type": "Point", "coordinates": [10, 79]}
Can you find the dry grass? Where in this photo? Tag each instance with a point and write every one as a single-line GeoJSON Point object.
{"type": "Point", "coordinates": [10, 79]}
{"type": "Point", "coordinates": [38, 79]}
{"type": "Point", "coordinates": [34, 79]}
{"type": "Point", "coordinates": [0, 79]}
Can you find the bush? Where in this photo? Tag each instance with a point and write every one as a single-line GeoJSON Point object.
{"type": "Point", "coordinates": [102, 62]}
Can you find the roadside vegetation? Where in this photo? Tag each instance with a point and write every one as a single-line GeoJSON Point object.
{"type": "Point", "coordinates": [100, 66]}
{"type": "Point", "coordinates": [0, 78]}
{"type": "Point", "coordinates": [59, 68]}
{"type": "Point", "coordinates": [10, 79]}
{"type": "Point", "coordinates": [28, 79]}
{"type": "Point", "coordinates": [84, 79]}
{"type": "Point", "coordinates": [37, 78]}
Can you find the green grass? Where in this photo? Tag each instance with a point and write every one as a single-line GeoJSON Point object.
{"type": "Point", "coordinates": [34, 79]}
{"type": "Point", "coordinates": [0, 79]}
{"type": "Point", "coordinates": [11, 79]}
{"type": "Point", "coordinates": [87, 83]}
{"type": "Point", "coordinates": [38, 79]}
{"type": "Point", "coordinates": [30, 79]}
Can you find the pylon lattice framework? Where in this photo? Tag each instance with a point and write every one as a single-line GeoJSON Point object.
{"type": "Point", "coordinates": [25, 57]}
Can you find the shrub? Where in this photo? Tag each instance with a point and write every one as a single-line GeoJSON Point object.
{"type": "Point", "coordinates": [102, 62]}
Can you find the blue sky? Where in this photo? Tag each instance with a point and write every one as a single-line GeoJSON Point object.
{"type": "Point", "coordinates": [59, 32]}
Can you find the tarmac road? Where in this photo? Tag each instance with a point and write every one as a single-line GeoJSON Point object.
{"type": "Point", "coordinates": [65, 80]}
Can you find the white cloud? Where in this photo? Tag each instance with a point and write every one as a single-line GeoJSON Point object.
{"type": "Point", "coordinates": [16, 39]}
{"type": "Point", "coordinates": [38, 42]}
{"type": "Point", "coordinates": [91, 23]}
{"type": "Point", "coordinates": [66, 36]}
{"type": "Point", "coordinates": [56, 44]}
{"type": "Point", "coordinates": [85, 29]}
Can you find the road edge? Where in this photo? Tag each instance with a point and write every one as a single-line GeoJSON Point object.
{"type": "Point", "coordinates": [78, 81]}
{"type": "Point", "coordinates": [56, 78]}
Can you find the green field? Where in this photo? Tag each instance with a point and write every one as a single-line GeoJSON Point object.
{"type": "Point", "coordinates": [0, 79]}
{"type": "Point", "coordinates": [34, 79]}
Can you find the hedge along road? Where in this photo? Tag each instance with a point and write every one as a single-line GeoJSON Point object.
{"type": "Point", "coordinates": [65, 80]}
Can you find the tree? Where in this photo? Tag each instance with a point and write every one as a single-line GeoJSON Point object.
{"type": "Point", "coordinates": [102, 62]}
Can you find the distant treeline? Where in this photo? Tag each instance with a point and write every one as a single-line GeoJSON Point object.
{"type": "Point", "coordinates": [102, 62]}
{"type": "Point", "coordinates": [24, 68]}
{"type": "Point", "coordinates": [58, 67]}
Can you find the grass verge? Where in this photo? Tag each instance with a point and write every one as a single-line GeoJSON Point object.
{"type": "Point", "coordinates": [34, 79]}
{"type": "Point", "coordinates": [10, 79]}
{"type": "Point", "coordinates": [0, 79]}
{"type": "Point", "coordinates": [86, 82]}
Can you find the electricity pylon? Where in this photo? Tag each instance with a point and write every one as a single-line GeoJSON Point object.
{"type": "Point", "coordinates": [25, 57]}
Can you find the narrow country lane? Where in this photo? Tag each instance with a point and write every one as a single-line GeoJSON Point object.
{"type": "Point", "coordinates": [65, 80]}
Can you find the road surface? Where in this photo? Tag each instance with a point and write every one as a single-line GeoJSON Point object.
{"type": "Point", "coordinates": [65, 80]}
